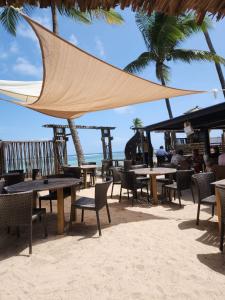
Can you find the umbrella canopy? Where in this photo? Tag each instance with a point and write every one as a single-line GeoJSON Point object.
{"type": "Point", "coordinates": [76, 82]}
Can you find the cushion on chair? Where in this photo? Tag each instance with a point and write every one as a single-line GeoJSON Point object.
{"type": "Point", "coordinates": [210, 200]}
{"type": "Point", "coordinates": [172, 186]}
{"type": "Point", "coordinates": [84, 202]}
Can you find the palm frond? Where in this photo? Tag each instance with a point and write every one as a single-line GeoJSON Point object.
{"type": "Point", "coordinates": [9, 18]}
{"type": "Point", "coordinates": [162, 72]}
{"type": "Point", "coordinates": [140, 63]}
{"type": "Point", "coordinates": [196, 55]}
{"type": "Point", "coordinates": [74, 14]}
{"type": "Point", "coordinates": [109, 16]}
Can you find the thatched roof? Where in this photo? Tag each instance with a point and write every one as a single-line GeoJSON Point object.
{"type": "Point", "coordinates": [175, 7]}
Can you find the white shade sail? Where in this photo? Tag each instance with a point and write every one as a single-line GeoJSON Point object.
{"type": "Point", "coordinates": [76, 82]}
{"type": "Point", "coordinates": [27, 91]}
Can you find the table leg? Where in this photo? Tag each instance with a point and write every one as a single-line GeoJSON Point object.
{"type": "Point", "coordinates": [60, 211]}
{"type": "Point", "coordinates": [73, 198]}
{"type": "Point", "coordinates": [154, 189]}
{"type": "Point", "coordinates": [218, 205]}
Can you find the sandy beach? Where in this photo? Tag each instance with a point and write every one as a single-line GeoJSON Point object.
{"type": "Point", "coordinates": [145, 253]}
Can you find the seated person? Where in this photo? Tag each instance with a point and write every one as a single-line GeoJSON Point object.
{"type": "Point", "coordinates": [214, 155]}
{"type": "Point", "coordinates": [221, 159]}
{"type": "Point", "coordinates": [161, 155]}
{"type": "Point", "coordinates": [197, 161]}
{"type": "Point", "coordinates": [178, 158]}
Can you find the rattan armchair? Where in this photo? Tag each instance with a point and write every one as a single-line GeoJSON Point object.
{"type": "Point", "coordinates": [13, 178]}
{"type": "Point", "coordinates": [222, 217]}
{"type": "Point", "coordinates": [183, 182]}
{"type": "Point", "coordinates": [116, 178]}
{"type": "Point", "coordinates": [205, 191]}
{"type": "Point", "coordinates": [16, 211]}
{"type": "Point", "coordinates": [95, 204]}
{"type": "Point", "coordinates": [130, 183]}
{"type": "Point", "coordinates": [2, 184]}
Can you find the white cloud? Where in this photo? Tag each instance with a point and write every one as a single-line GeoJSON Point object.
{"type": "Point", "coordinates": [100, 47]}
{"type": "Point", "coordinates": [73, 39]}
{"type": "Point", "coordinates": [24, 30]}
{"type": "Point", "coordinates": [24, 67]}
{"type": "Point", "coordinates": [44, 21]}
{"type": "Point", "coordinates": [125, 110]}
{"type": "Point", "coordinates": [3, 55]}
{"type": "Point", "coordinates": [14, 48]}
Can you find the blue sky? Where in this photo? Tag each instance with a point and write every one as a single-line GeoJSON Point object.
{"type": "Point", "coordinates": [20, 59]}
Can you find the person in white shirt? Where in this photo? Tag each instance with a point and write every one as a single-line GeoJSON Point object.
{"type": "Point", "coordinates": [221, 159]}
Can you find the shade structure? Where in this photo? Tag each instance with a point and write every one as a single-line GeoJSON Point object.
{"type": "Point", "coordinates": [75, 82]}
{"type": "Point", "coordinates": [27, 91]}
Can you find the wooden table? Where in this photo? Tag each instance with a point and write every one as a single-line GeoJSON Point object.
{"type": "Point", "coordinates": [56, 184]}
{"type": "Point", "coordinates": [85, 169]}
{"type": "Point", "coordinates": [218, 184]}
{"type": "Point", "coordinates": [153, 173]}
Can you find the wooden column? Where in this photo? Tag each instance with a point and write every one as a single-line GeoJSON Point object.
{"type": "Point", "coordinates": [206, 141]}
{"type": "Point", "coordinates": [150, 149]}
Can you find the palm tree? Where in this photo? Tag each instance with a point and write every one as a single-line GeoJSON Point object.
{"type": "Point", "coordinates": [217, 65]}
{"type": "Point", "coordinates": [137, 123]}
{"type": "Point", "coordinates": [162, 36]}
{"type": "Point", "coordinates": [9, 17]}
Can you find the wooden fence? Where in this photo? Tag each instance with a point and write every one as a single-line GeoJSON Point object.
{"type": "Point", "coordinates": [46, 156]}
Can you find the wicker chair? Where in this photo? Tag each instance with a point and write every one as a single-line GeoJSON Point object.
{"type": "Point", "coordinates": [72, 172]}
{"type": "Point", "coordinates": [116, 178]}
{"type": "Point", "coordinates": [2, 184]}
{"type": "Point", "coordinates": [183, 182]}
{"type": "Point", "coordinates": [127, 164]}
{"type": "Point", "coordinates": [219, 172]}
{"type": "Point", "coordinates": [13, 178]}
{"type": "Point", "coordinates": [205, 191]}
{"type": "Point", "coordinates": [222, 215]}
{"type": "Point", "coordinates": [16, 171]}
{"type": "Point", "coordinates": [35, 173]}
{"type": "Point", "coordinates": [16, 210]}
{"type": "Point", "coordinates": [106, 165]}
{"type": "Point", "coordinates": [130, 183]}
{"type": "Point", "coordinates": [95, 204]}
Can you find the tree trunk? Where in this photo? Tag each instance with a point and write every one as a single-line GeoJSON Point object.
{"type": "Point", "coordinates": [218, 66]}
{"type": "Point", "coordinates": [76, 141]}
{"type": "Point", "coordinates": [172, 134]}
{"type": "Point", "coordinates": [167, 100]}
{"type": "Point", "coordinates": [72, 126]}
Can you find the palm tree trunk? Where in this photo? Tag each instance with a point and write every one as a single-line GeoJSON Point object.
{"type": "Point", "coordinates": [218, 66]}
{"type": "Point", "coordinates": [167, 133]}
{"type": "Point", "coordinates": [72, 126]}
{"type": "Point", "coordinates": [167, 100]}
{"type": "Point", "coordinates": [76, 141]}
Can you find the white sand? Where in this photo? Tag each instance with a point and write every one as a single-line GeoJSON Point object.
{"type": "Point", "coordinates": [145, 253]}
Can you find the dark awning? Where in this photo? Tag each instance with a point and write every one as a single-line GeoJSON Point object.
{"type": "Point", "coordinates": [212, 117]}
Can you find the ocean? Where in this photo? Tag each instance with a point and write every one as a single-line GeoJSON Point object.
{"type": "Point", "coordinates": [94, 157]}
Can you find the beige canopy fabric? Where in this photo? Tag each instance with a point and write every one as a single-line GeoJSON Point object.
{"type": "Point", "coordinates": [76, 82]}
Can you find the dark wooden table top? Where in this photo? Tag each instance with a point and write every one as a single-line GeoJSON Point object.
{"type": "Point", "coordinates": [39, 185]}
